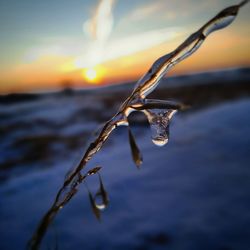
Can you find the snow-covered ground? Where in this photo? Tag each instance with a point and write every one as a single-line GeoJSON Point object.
{"type": "Point", "coordinates": [194, 193]}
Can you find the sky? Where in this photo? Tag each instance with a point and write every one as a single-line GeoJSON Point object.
{"type": "Point", "coordinates": [51, 44]}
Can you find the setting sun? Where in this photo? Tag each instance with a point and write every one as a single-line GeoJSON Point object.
{"type": "Point", "coordinates": [90, 74]}
{"type": "Point", "coordinates": [94, 75]}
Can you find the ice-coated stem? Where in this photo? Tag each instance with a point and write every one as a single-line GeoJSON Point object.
{"type": "Point", "coordinates": [158, 113]}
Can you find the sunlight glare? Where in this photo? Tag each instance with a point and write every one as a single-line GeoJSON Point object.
{"type": "Point", "coordinates": [91, 74]}
{"type": "Point", "coordinates": [94, 75]}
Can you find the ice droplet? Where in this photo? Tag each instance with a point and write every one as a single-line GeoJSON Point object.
{"type": "Point", "coordinates": [159, 123]}
{"type": "Point", "coordinates": [101, 197]}
{"type": "Point", "coordinates": [160, 141]}
{"type": "Point", "coordinates": [99, 203]}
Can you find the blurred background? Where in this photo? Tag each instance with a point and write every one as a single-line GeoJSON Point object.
{"type": "Point", "coordinates": [66, 66]}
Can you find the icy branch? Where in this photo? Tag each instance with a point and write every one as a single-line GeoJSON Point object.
{"type": "Point", "coordinates": [158, 113]}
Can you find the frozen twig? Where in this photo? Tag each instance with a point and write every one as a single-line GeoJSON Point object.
{"type": "Point", "coordinates": [158, 113]}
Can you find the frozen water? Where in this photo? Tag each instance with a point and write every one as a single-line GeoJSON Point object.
{"type": "Point", "coordinates": [158, 118]}
{"type": "Point", "coordinates": [159, 123]}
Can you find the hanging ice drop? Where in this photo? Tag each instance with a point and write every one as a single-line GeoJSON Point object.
{"type": "Point", "coordinates": [159, 123]}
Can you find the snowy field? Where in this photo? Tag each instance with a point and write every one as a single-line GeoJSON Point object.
{"type": "Point", "coordinates": [193, 193]}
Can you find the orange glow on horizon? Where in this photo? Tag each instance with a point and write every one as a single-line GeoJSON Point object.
{"type": "Point", "coordinates": [48, 72]}
{"type": "Point", "coordinates": [94, 75]}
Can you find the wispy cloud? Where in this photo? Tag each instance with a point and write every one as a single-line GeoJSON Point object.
{"type": "Point", "coordinates": [146, 10]}
{"type": "Point", "coordinates": [100, 48]}
{"type": "Point", "coordinates": [131, 44]}
{"type": "Point", "coordinates": [99, 27]}
{"type": "Point", "coordinates": [37, 52]}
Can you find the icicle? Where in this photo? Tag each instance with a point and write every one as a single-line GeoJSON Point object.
{"type": "Point", "coordinates": [159, 123]}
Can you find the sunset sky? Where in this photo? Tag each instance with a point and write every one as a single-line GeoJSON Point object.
{"type": "Point", "coordinates": [47, 45]}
